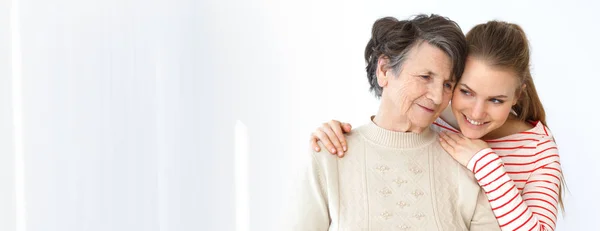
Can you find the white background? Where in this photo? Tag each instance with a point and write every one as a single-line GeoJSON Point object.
{"type": "Point", "coordinates": [127, 109]}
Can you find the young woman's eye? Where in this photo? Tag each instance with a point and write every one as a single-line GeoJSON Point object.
{"type": "Point", "coordinates": [497, 101]}
{"type": "Point", "coordinates": [465, 92]}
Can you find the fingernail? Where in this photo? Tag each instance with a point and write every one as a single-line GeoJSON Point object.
{"type": "Point", "coordinates": [345, 148]}
{"type": "Point", "coordinates": [316, 149]}
{"type": "Point", "coordinates": [333, 150]}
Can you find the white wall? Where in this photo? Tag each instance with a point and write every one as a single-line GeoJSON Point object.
{"type": "Point", "coordinates": [129, 107]}
{"type": "Point", "coordinates": [7, 177]}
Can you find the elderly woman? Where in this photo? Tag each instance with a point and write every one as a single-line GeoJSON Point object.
{"type": "Point", "coordinates": [397, 176]}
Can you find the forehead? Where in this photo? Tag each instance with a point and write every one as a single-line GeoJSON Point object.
{"type": "Point", "coordinates": [487, 80]}
{"type": "Point", "coordinates": [425, 57]}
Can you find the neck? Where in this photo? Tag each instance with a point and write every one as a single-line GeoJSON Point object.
{"type": "Point", "coordinates": [512, 125]}
{"type": "Point", "coordinates": [393, 119]}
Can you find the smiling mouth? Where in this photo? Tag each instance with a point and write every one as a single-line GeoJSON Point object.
{"type": "Point", "coordinates": [474, 122]}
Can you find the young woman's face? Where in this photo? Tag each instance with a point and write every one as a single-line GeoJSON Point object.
{"type": "Point", "coordinates": [483, 98]}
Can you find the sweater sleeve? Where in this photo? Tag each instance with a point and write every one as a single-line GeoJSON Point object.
{"type": "Point", "coordinates": [308, 205]}
{"type": "Point", "coordinates": [536, 207]}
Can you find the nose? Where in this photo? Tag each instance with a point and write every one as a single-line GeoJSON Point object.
{"type": "Point", "coordinates": [478, 111]}
{"type": "Point", "coordinates": [436, 93]}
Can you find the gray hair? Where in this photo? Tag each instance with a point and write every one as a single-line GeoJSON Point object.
{"type": "Point", "coordinates": [394, 39]}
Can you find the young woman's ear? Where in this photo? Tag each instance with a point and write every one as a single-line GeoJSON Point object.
{"type": "Point", "coordinates": [521, 93]}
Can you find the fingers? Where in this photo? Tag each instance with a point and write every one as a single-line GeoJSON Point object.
{"type": "Point", "coordinates": [313, 143]}
{"type": "Point", "coordinates": [331, 135]}
{"type": "Point", "coordinates": [448, 139]}
{"type": "Point", "coordinates": [333, 138]}
{"type": "Point", "coordinates": [337, 129]}
{"type": "Point", "coordinates": [459, 137]}
{"type": "Point", "coordinates": [347, 127]}
{"type": "Point", "coordinates": [446, 146]}
{"type": "Point", "coordinates": [322, 136]}
{"type": "Point", "coordinates": [453, 137]}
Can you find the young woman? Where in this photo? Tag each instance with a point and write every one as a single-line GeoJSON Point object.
{"type": "Point", "coordinates": [496, 128]}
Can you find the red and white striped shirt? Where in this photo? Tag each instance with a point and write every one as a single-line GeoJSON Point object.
{"type": "Point", "coordinates": [521, 175]}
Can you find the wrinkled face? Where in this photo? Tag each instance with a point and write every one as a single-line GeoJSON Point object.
{"type": "Point", "coordinates": [483, 98]}
{"type": "Point", "coordinates": [422, 88]}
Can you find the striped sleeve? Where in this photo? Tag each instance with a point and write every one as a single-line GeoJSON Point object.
{"type": "Point", "coordinates": [534, 209]}
{"type": "Point", "coordinates": [440, 125]}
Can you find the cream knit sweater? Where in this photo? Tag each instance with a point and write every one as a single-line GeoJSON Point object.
{"type": "Point", "coordinates": [389, 181]}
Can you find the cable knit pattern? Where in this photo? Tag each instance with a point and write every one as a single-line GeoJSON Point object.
{"type": "Point", "coordinates": [389, 181]}
{"type": "Point", "coordinates": [444, 177]}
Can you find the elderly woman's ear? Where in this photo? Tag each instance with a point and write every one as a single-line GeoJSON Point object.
{"type": "Point", "coordinates": [383, 72]}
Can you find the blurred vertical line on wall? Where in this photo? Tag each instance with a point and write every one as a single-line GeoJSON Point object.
{"type": "Point", "coordinates": [242, 210]}
{"type": "Point", "coordinates": [17, 103]}
{"type": "Point", "coordinates": [161, 146]}
{"type": "Point", "coordinates": [161, 129]}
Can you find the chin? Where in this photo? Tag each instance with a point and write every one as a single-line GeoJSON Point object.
{"type": "Point", "coordinates": [473, 135]}
{"type": "Point", "coordinates": [470, 133]}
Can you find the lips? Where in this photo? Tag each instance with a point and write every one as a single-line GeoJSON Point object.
{"type": "Point", "coordinates": [426, 108]}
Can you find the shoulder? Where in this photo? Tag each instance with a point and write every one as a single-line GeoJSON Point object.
{"type": "Point", "coordinates": [452, 178]}
{"type": "Point", "coordinates": [324, 158]}
{"type": "Point", "coordinates": [541, 133]}
{"type": "Point", "coordinates": [445, 164]}
{"type": "Point", "coordinates": [356, 137]}
{"type": "Point", "coordinates": [546, 150]}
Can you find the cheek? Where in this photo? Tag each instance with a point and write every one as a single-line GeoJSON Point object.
{"type": "Point", "coordinates": [448, 95]}
{"type": "Point", "coordinates": [458, 96]}
{"type": "Point", "coordinates": [412, 90]}
{"type": "Point", "coordinates": [401, 96]}
{"type": "Point", "coordinates": [446, 99]}
{"type": "Point", "coordinates": [459, 102]}
{"type": "Point", "coordinates": [500, 114]}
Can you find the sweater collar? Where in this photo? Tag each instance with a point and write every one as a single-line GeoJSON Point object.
{"type": "Point", "coordinates": [395, 139]}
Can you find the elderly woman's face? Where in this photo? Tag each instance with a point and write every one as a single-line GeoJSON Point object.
{"type": "Point", "coordinates": [423, 88]}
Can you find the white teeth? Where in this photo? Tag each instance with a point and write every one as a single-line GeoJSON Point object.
{"type": "Point", "coordinates": [474, 122]}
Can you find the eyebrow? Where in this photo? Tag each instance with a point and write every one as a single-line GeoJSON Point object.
{"type": "Point", "coordinates": [429, 72]}
{"type": "Point", "coordinates": [497, 96]}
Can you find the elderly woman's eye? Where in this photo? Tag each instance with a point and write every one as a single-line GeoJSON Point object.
{"type": "Point", "coordinates": [448, 85]}
{"type": "Point", "coordinates": [425, 76]}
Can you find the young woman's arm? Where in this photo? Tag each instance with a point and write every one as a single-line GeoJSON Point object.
{"type": "Point", "coordinates": [536, 208]}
